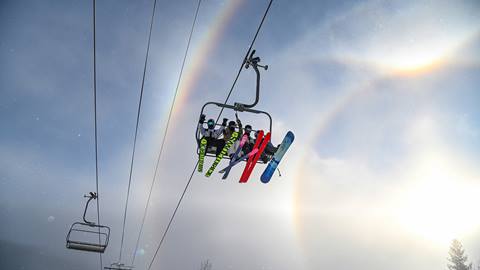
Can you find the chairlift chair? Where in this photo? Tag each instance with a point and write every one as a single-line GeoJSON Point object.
{"type": "Point", "coordinates": [118, 266]}
{"type": "Point", "coordinates": [86, 235]}
{"type": "Point", "coordinates": [239, 107]}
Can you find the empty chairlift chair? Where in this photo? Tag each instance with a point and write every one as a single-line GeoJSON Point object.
{"type": "Point", "coordinates": [86, 235]}
{"type": "Point", "coordinates": [118, 266]}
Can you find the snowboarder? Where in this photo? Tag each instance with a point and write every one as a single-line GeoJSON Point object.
{"type": "Point", "coordinates": [269, 149]}
{"type": "Point", "coordinates": [269, 152]}
{"type": "Point", "coordinates": [211, 134]}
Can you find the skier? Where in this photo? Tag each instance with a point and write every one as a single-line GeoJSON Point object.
{"type": "Point", "coordinates": [211, 134]}
{"type": "Point", "coordinates": [232, 125]}
{"type": "Point", "coordinates": [250, 142]}
{"type": "Point", "coordinates": [227, 134]}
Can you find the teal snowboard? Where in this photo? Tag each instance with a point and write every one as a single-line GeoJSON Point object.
{"type": "Point", "coordinates": [277, 157]}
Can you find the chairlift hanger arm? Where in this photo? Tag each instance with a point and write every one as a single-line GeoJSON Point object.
{"type": "Point", "coordinates": [91, 196]}
{"type": "Point", "coordinates": [254, 62]}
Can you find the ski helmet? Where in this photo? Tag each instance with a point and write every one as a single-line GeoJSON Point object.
{"type": "Point", "coordinates": [231, 125]}
{"type": "Point", "coordinates": [211, 123]}
{"type": "Point", "coordinates": [248, 129]}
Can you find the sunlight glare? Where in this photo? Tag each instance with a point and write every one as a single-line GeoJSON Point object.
{"type": "Point", "coordinates": [442, 205]}
{"type": "Point", "coordinates": [405, 57]}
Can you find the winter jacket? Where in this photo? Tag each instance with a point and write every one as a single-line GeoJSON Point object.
{"type": "Point", "coordinates": [210, 133]}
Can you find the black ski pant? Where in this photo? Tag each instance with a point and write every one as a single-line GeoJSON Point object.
{"type": "Point", "coordinates": [218, 143]}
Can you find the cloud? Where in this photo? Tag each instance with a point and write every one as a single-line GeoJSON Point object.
{"type": "Point", "coordinates": [369, 211]}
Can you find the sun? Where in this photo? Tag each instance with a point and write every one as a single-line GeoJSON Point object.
{"type": "Point", "coordinates": [442, 204]}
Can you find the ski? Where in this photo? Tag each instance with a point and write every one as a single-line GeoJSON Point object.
{"type": "Point", "coordinates": [222, 153]}
{"type": "Point", "coordinates": [238, 160]}
{"type": "Point", "coordinates": [255, 146]}
{"type": "Point", "coordinates": [201, 156]}
{"type": "Point", "coordinates": [243, 140]}
{"type": "Point", "coordinates": [277, 157]}
{"type": "Point", "coordinates": [248, 171]}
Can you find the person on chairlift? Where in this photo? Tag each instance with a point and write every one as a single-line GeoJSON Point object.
{"type": "Point", "coordinates": [248, 146]}
{"type": "Point", "coordinates": [232, 125]}
{"type": "Point", "coordinates": [211, 134]}
{"type": "Point", "coordinates": [269, 149]}
{"type": "Point", "coordinates": [269, 152]}
{"type": "Point", "coordinates": [227, 134]}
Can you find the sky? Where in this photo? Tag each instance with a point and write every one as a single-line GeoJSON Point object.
{"type": "Point", "coordinates": [382, 97]}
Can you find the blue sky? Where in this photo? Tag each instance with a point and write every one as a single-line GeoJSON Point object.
{"type": "Point", "coordinates": [381, 95]}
